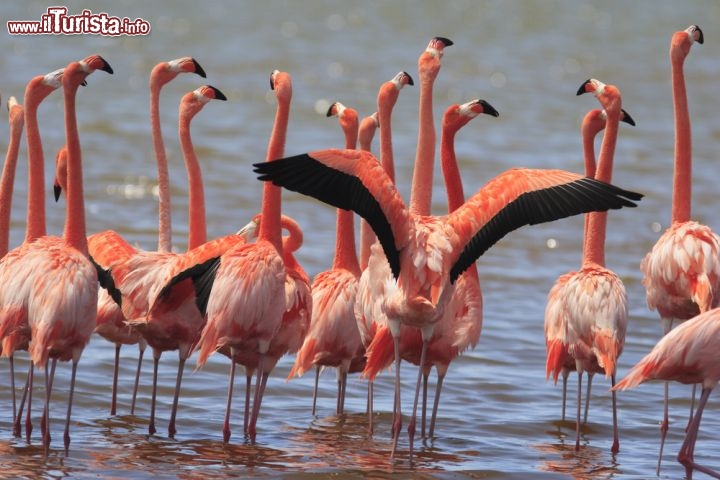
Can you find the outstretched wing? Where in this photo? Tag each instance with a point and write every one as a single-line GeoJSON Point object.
{"type": "Point", "coordinates": [521, 197]}
{"type": "Point", "coordinates": [351, 180]}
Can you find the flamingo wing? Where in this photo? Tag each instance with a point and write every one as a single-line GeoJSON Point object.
{"type": "Point", "coordinates": [351, 180]}
{"type": "Point", "coordinates": [520, 197]}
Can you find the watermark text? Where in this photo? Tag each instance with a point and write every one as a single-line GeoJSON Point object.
{"type": "Point", "coordinates": [56, 21]}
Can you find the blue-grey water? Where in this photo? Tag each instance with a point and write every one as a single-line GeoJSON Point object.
{"type": "Point", "coordinates": [499, 417]}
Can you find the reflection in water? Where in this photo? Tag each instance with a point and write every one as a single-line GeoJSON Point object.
{"type": "Point", "coordinates": [588, 462]}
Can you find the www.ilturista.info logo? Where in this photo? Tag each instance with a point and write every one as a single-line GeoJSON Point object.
{"type": "Point", "coordinates": [57, 22]}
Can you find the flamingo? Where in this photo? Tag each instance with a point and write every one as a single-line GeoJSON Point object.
{"type": "Point", "coordinates": [366, 133]}
{"type": "Point", "coordinates": [242, 312]}
{"type": "Point", "coordinates": [370, 290]}
{"type": "Point", "coordinates": [108, 246]}
{"type": "Point", "coordinates": [333, 338]}
{"type": "Point", "coordinates": [16, 119]}
{"type": "Point", "coordinates": [593, 302]}
{"type": "Point", "coordinates": [688, 354]}
{"type": "Point", "coordinates": [681, 273]}
{"type": "Point", "coordinates": [559, 359]}
{"type": "Point", "coordinates": [142, 275]}
{"type": "Point", "coordinates": [62, 297]}
{"type": "Point", "coordinates": [14, 329]}
{"type": "Point", "coordinates": [461, 324]}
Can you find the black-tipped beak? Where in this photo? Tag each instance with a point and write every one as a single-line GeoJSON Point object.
{"type": "Point", "coordinates": [582, 89]}
{"type": "Point", "coordinates": [84, 83]}
{"type": "Point", "coordinates": [489, 109]}
{"type": "Point", "coordinates": [57, 190]}
{"type": "Point", "coordinates": [106, 66]}
{"type": "Point", "coordinates": [218, 94]}
{"type": "Point", "coordinates": [701, 37]}
{"type": "Point", "coordinates": [446, 41]}
{"type": "Point", "coordinates": [627, 118]}
{"type": "Point", "coordinates": [410, 79]}
{"type": "Point", "coordinates": [198, 69]}
{"type": "Point", "coordinates": [330, 110]}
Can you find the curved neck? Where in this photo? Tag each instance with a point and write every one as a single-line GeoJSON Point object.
{"type": "Point", "coordinates": [197, 227]}
{"type": "Point", "coordinates": [450, 170]}
{"type": "Point", "coordinates": [271, 198]}
{"type": "Point", "coordinates": [164, 205]}
{"type": "Point", "coordinates": [422, 183]}
{"type": "Point", "coordinates": [36, 173]}
{"type": "Point", "coordinates": [588, 141]}
{"type": "Point", "coordinates": [682, 179]}
{"type": "Point", "coordinates": [75, 232]}
{"type": "Point", "coordinates": [7, 182]}
{"type": "Point", "coordinates": [596, 222]}
{"type": "Point", "coordinates": [385, 107]}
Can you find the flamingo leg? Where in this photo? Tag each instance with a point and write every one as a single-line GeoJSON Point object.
{"type": "Point", "coordinates": [692, 405]}
{"type": "Point", "coordinates": [315, 390]}
{"type": "Point", "coordinates": [156, 361]}
{"type": "Point", "coordinates": [173, 414]}
{"type": "Point", "coordinates": [141, 352]}
{"type": "Point", "coordinates": [397, 413]}
{"type": "Point", "coordinates": [687, 450]}
{"type": "Point", "coordinates": [579, 402]}
{"type": "Point", "coordinates": [411, 423]}
{"type": "Point", "coordinates": [587, 396]}
{"type": "Point", "coordinates": [45, 421]}
{"type": "Point", "coordinates": [231, 383]}
{"type": "Point", "coordinates": [370, 407]}
{"type": "Point", "coordinates": [344, 389]}
{"type": "Point", "coordinates": [616, 437]}
{"type": "Point", "coordinates": [12, 386]}
{"type": "Point", "coordinates": [16, 419]}
{"type": "Point", "coordinates": [565, 374]}
{"type": "Point", "coordinates": [28, 417]}
{"type": "Point", "coordinates": [66, 435]}
{"type": "Point", "coordinates": [663, 429]}
{"type": "Point", "coordinates": [436, 403]}
{"type": "Point", "coordinates": [259, 390]}
{"type": "Point", "coordinates": [423, 413]}
{"type": "Point", "coordinates": [113, 401]}
{"type": "Point", "coordinates": [248, 387]}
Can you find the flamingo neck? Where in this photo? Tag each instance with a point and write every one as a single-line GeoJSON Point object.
{"type": "Point", "coordinates": [596, 222]}
{"type": "Point", "coordinates": [197, 226]}
{"type": "Point", "coordinates": [345, 253]}
{"type": "Point", "coordinates": [450, 170]}
{"type": "Point", "coordinates": [682, 178]}
{"type": "Point", "coordinates": [164, 205]}
{"type": "Point", "coordinates": [75, 232]}
{"type": "Point", "coordinates": [36, 172]}
{"type": "Point", "coordinates": [385, 107]}
{"type": "Point", "coordinates": [7, 182]}
{"type": "Point", "coordinates": [588, 140]}
{"type": "Point", "coordinates": [270, 228]}
{"type": "Point", "coordinates": [422, 182]}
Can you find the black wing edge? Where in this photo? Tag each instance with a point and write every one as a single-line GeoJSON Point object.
{"type": "Point", "coordinates": [540, 206]}
{"type": "Point", "coordinates": [107, 282]}
{"type": "Point", "coordinates": [303, 174]}
{"type": "Point", "coordinates": [202, 276]}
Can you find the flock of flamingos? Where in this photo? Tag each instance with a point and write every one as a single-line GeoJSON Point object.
{"type": "Point", "coordinates": [413, 291]}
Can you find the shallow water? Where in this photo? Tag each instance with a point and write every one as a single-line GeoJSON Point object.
{"type": "Point", "coordinates": [498, 418]}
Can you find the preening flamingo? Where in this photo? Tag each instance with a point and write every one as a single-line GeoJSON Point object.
{"type": "Point", "coordinates": [559, 360]}
{"type": "Point", "coordinates": [333, 338]}
{"type": "Point", "coordinates": [592, 303]}
{"type": "Point", "coordinates": [681, 273]}
{"type": "Point", "coordinates": [143, 275]}
{"type": "Point", "coordinates": [371, 289]}
{"type": "Point", "coordinates": [460, 326]}
{"type": "Point", "coordinates": [14, 328]}
{"type": "Point", "coordinates": [62, 298]}
{"type": "Point", "coordinates": [688, 354]}
{"type": "Point", "coordinates": [16, 120]}
{"type": "Point", "coordinates": [243, 313]}
{"type": "Point", "coordinates": [109, 247]}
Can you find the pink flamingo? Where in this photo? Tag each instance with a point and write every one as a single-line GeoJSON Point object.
{"type": "Point", "coordinates": [14, 329]}
{"type": "Point", "coordinates": [62, 300]}
{"type": "Point", "coordinates": [16, 119]}
{"type": "Point", "coordinates": [243, 313]}
{"type": "Point", "coordinates": [368, 311]}
{"type": "Point", "coordinates": [594, 302]}
{"type": "Point", "coordinates": [141, 277]}
{"type": "Point", "coordinates": [333, 338]}
{"type": "Point", "coordinates": [688, 354]}
{"type": "Point", "coordinates": [461, 324]}
{"type": "Point", "coordinates": [680, 289]}
{"type": "Point", "coordinates": [109, 247]}
{"type": "Point", "coordinates": [559, 360]}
